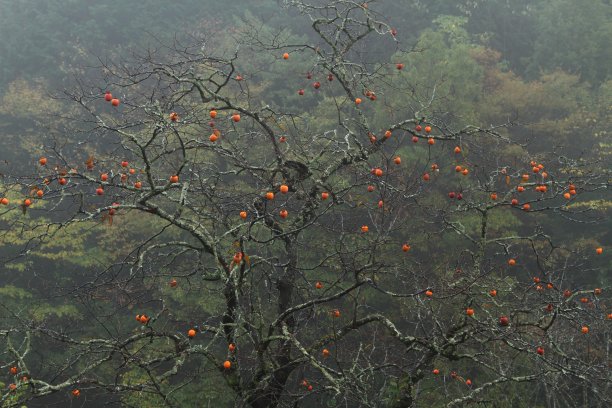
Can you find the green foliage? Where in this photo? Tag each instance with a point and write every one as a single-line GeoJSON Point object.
{"type": "Point", "coordinates": [575, 37]}
{"type": "Point", "coordinates": [443, 72]}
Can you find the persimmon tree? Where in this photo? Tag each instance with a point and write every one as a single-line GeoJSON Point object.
{"type": "Point", "coordinates": [299, 222]}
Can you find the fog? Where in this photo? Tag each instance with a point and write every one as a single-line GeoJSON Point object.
{"type": "Point", "coordinates": [305, 203]}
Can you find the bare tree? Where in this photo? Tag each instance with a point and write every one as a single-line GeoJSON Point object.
{"type": "Point", "coordinates": [333, 270]}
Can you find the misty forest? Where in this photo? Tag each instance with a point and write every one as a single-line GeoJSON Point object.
{"type": "Point", "coordinates": [305, 203]}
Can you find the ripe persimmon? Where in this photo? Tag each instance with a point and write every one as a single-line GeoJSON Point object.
{"type": "Point", "coordinates": [284, 189]}
{"type": "Point", "coordinates": [191, 333]}
{"type": "Point", "coordinates": [42, 161]}
{"type": "Point", "coordinates": [227, 364]}
{"type": "Point", "coordinates": [324, 195]}
{"type": "Point", "coordinates": [243, 214]}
